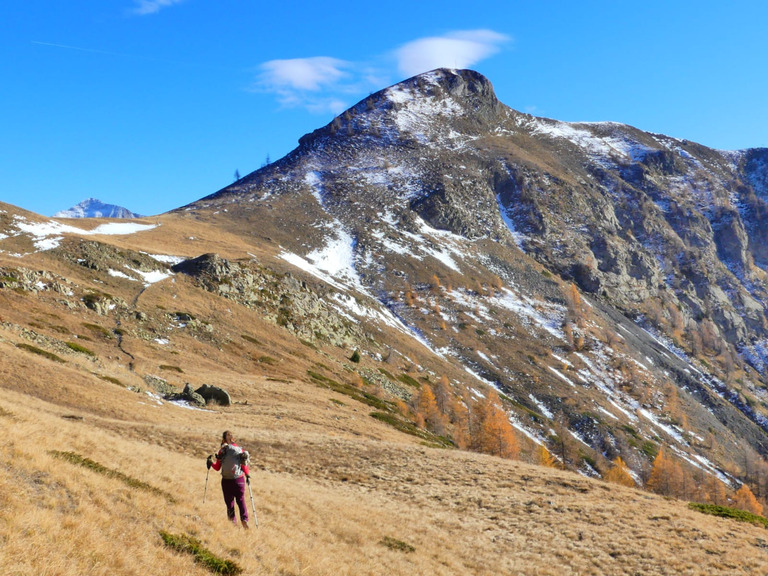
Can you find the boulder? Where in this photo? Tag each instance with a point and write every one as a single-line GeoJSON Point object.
{"type": "Point", "coordinates": [188, 395]}
{"type": "Point", "coordinates": [214, 394]}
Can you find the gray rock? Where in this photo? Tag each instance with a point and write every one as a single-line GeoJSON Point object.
{"type": "Point", "coordinates": [214, 394]}
{"type": "Point", "coordinates": [187, 395]}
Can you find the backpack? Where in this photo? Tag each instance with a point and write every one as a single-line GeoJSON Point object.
{"type": "Point", "coordinates": [231, 461]}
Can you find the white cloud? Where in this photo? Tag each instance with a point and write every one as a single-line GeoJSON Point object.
{"type": "Point", "coordinates": [312, 83]}
{"type": "Point", "coordinates": [461, 49]}
{"type": "Point", "coordinates": [302, 73]}
{"type": "Point", "coordinates": [323, 84]}
{"type": "Point", "coordinates": [144, 7]}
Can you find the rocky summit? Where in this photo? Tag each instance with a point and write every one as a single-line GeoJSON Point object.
{"type": "Point", "coordinates": [430, 256]}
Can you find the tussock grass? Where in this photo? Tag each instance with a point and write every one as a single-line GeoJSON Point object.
{"type": "Point", "coordinates": [111, 379]}
{"type": "Point", "coordinates": [171, 368]}
{"type": "Point", "coordinates": [351, 391]}
{"type": "Point", "coordinates": [40, 352]}
{"type": "Point", "coordinates": [189, 545]}
{"type": "Point", "coordinates": [79, 460]}
{"type": "Point", "coordinates": [409, 380]}
{"type": "Point", "coordinates": [726, 512]}
{"type": "Point", "coordinates": [395, 544]}
{"type": "Point", "coordinates": [74, 346]}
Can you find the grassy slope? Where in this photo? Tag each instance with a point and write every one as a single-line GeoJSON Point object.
{"type": "Point", "coordinates": [331, 486]}
{"type": "Point", "coordinates": [337, 492]}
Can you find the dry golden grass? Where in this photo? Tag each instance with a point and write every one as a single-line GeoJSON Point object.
{"type": "Point", "coordinates": [328, 499]}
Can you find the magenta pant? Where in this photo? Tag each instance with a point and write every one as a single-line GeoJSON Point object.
{"type": "Point", "coordinates": [234, 491]}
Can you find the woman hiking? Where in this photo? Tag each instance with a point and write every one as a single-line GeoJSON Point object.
{"type": "Point", "coordinates": [233, 463]}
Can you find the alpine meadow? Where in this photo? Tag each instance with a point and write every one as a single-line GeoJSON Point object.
{"type": "Point", "coordinates": [455, 339]}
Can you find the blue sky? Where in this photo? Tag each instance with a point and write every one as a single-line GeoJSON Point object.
{"type": "Point", "coordinates": [152, 104]}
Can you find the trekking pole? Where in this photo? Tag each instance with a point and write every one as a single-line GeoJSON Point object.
{"type": "Point", "coordinates": [206, 484]}
{"type": "Point", "coordinates": [255, 518]}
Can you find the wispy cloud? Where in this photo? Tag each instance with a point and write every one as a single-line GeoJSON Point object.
{"type": "Point", "coordinates": [324, 84]}
{"type": "Point", "coordinates": [305, 74]}
{"type": "Point", "coordinates": [316, 84]}
{"type": "Point", "coordinates": [144, 7]}
{"type": "Point", "coordinates": [461, 49]}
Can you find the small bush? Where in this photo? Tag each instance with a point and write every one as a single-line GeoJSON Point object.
{"type": "Point", "coordinates": [41, 352]}
{"type": "Point", "coordinates": [79, 348]}
{"type": "Point", "coordinates": [395, 544]}
{"type": "Point", "coordinates": [110, 379]}
{"type": "Point", "coordinates": [649, 449]}
{"type": "Point", "coordinates": [250, 339]}
{"type": "Point", "coordinates": [386, 373]}
{"type": "Point", "coordinates": [171, 368]}
{"type": "Point", "coordinates": [726, 512]}
{"type": "Point", "coordinates": [268, 360]}
{"type": "Point", "coordinates": [409, 380]}
{"type": "Point", "coordinates": [189, 545]}
{"type": "Point", "coordinates": [355, 357]}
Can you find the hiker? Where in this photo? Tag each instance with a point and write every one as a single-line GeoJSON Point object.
{"type": "Point", "coordinates": [233, 463]}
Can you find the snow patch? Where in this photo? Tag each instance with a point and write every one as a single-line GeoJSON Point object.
{"type": "Point", "coordinates": [118, 274]}
{"type": "Point", "coordinates": [541, 406]}
{"type": "Point", "coordinates": [167, 259]}
{"type": "Point", "coordinates": [518, 237]}
{"type": "Point", "coordinates": [48, 233]}
{"type": "Point", "coordinates": [152, 277]}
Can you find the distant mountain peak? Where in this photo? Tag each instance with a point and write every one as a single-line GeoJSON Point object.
{"type": "Point", "coordinates": [93, 208]}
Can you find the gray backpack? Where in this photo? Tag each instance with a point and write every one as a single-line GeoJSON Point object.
{"type": "Point", "coordinates": [231, 461]}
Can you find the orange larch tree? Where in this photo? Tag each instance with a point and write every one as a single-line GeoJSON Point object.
{"type": "Point", "coordinates": [427, 411]}
{"type": "Point", "coordinates": [496, 434]}
{"type": "Point", "coordinates": [666, 475]}
{"type": "Point", "coordinates": [745, 500]}
{"type": "Point", "coordinates": [544, 458]}
{"type": "Point", "coordinates": [619, 474]}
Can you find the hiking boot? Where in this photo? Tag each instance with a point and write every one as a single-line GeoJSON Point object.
{"type": "Point", "coordinates": [245, 524]}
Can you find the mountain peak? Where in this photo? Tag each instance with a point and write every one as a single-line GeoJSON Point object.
{"type": "Point", "coordinates": [459, 83]}
{"type": "Point", "coordinates": [407, 108]}
{"type": "Point", "coordinates": [94, 208]}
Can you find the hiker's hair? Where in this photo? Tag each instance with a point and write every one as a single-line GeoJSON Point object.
{"type": "Point", "coordinates": [226, 437]}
